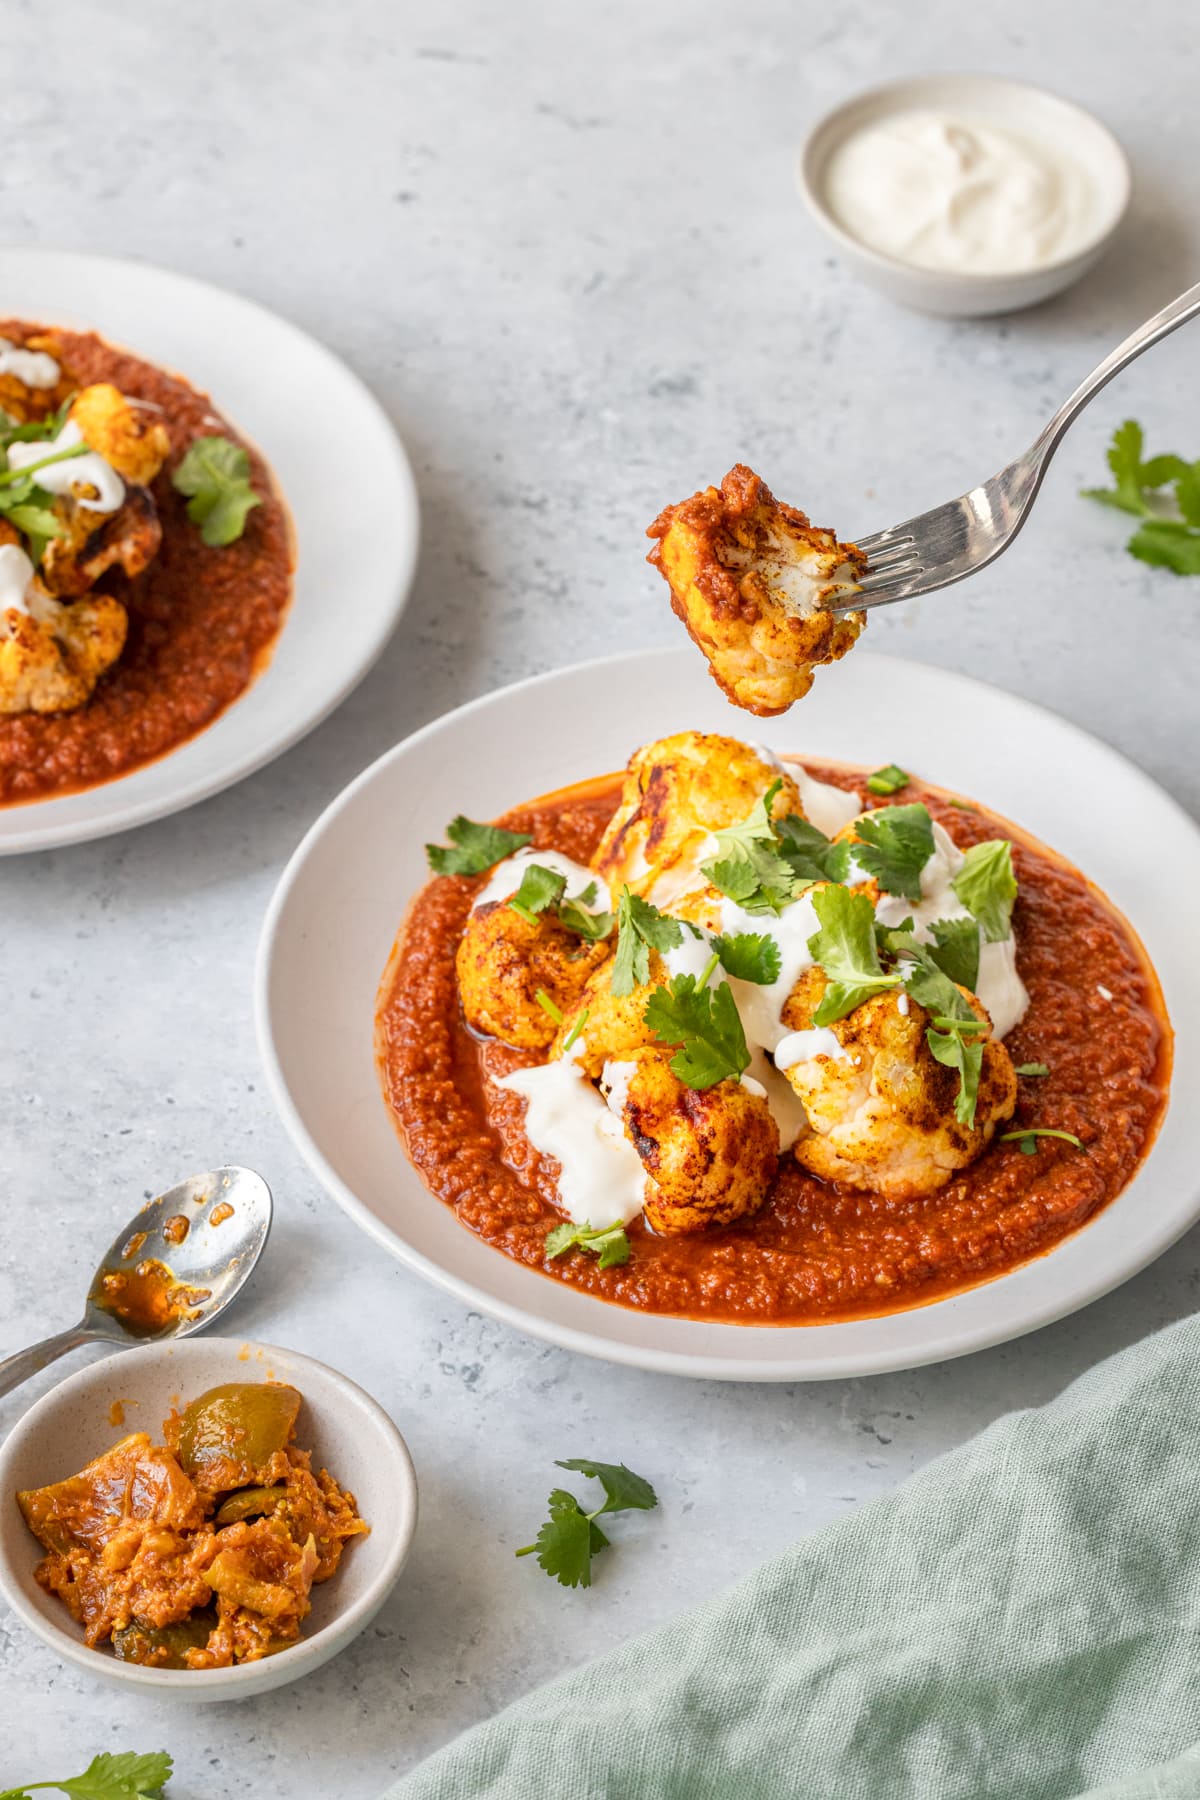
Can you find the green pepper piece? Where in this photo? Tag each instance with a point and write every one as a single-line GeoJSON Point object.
{"type": "Point", "coordinates": [243, 1423]}
{"type": "Point", "coordinates": [249, 1503]}
{"type": "Point", "coordinates": [164, 1646]}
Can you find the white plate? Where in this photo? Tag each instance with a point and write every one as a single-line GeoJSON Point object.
{"type": "Point", "coordinates": [335, 457]}
{"type": "Point", "coordinates": [331, 925]}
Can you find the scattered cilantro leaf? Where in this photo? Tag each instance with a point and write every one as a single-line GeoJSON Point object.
{"type": "Point", "coordinates": [846, 949]}
{"type": "Point", "coordinates": [124, 1776]}
{"type": "Point", "coordinates": [987, 887]}
{"type": "Point", "coordinates": [574, 914]}
{"type": "Point", "coordinates": [929, 984]}
{"type": "Point", "coordinates": [706, 1025]}
{"type": "Point", "coordinates": [1037, 1131]}
{"type": "Point", "coordinates": [810, 854]}
{"type": "Point", "coordinates": [475, 847]}
{"type": "Point", "coordinates": [577, 1027]}
{"type": "Point", "coordinates": [640, 929]}
{"type": "Point", "coordinates": [30, 510]}
{"type": "Point", "coordinates": [1164, 540]}
{"type": "Point", "coordinates": [965, 1054]}
{"type": "Point", "coordinates": [540, 887]}
{"type": "Point", "coordinates": [570, 1538]}
{"type": "Point", "coordinates": [888, 780]}
{"type": "Point", "coordinates": [1032, 1069]}
{"type": "Point", "coordinates": [608, 1242]}
{"type": "Point", "coordinates": [895, 844]}
{"type": "Point", "coordinates": [1167, 544]}
{"type": "Point", "coordinates": [548, 1006]}
{"type": "Point", "coordinates": [749, 956]}
{"type": "Point", "coordinates": [955, 950]}
{"type": "Point", "coordinates": [216, 474]}
{"type": "Point", "coordinates": [749, 867]}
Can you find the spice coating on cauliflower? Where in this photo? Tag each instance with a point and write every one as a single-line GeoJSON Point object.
{"type": "Point", "coordinates": [677, 792]}
{"type": "Point", "coordinates": [753, 581]}
{"type": "Point", "coordinates": [883, 1111]}
{"type": "Point", "coordinates": [710, 1156]}
{"type": "Point", "coordinates": [615, 1026]}
{"type": "Point", "coordinates": [129, 438]}
{"type": "Point", "coordinates": [502, 962]}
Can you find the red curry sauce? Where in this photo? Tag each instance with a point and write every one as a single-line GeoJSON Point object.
{"type": "Point", "coordinates": [816, 1251]}
{"type": "Point", "coordinates": [201, 620]}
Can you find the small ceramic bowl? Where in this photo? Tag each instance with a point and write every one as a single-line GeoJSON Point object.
{"type": "Point", "coordinates": [990, 100]}
{"type": "Point", "coordinates": [349, 1432]}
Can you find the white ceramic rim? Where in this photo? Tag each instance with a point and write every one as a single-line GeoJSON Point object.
{"type": "Point", "coordinates": [940, 1332]}
{"type": "Point", "coordinates": [197, 1683]}
{"type": "Point", "coordinates": [971, 280]}
{"type": "Point", "coordinates": [394, 475]}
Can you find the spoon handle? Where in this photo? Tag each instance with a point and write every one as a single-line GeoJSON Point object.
{"type": "Point", "coordinates": [16, 1369]}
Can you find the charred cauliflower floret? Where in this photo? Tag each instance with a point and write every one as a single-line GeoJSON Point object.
{"type": "Point", "coordinates": [882, 1111]}
{"type": "Point", "coordinates": [615, 1025]}
{"type": "Point", "coordinates": [51, 655]}
{"type": "Point", "coordinates": [93, 542]}
{"type": "Point", "coordinates": [130, 438]}
{"type": "Point", "coordinates": [39, 355]}
{"type": "Point", "coordinates": [709, 1157]}
{"type": "Point", "coordinates": [503, 960]}
{"type": "Point", "coordinates": [753, 582]}
{"type": "Point", "coordinates": [677, 792]}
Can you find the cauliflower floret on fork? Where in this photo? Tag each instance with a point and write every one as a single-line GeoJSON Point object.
{"type": "Point", "coordinates": [880, 1104]}
{"type": "Point", "coordinates": [754, 582]}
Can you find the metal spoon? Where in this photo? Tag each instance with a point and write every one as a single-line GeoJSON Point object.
{"type": "Point", "coordinates": [175, 1267]}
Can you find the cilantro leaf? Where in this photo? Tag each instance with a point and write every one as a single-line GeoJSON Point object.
{"type": "Point", "coordinates": [929, 984]}
{"type": "Point", "coordinates": [809, 853]}
{"type": "Point", "coordinates": [30, 511]}
{"type": "Point", "coordinates": [623, 1490]}
{"type": "Point", "coordinates": [749, 957]}
{"type": "Point", "coordinates": [888, 780]}
{"type": "Point", "coordinates": [608, 1242]}
{"type": "Point", "coordinates": [570, 1538]}
{"type": "Point", "coordinates": [1025, 1135]}
{"type": "Point", "coordinates": [1125, 461]}
{"type": "Point", "coordinates": [640, 929]}
{"type": "Point", "coordinates": [705, 1022]}
{"type": "Point", "coordinates": [540, 887]}
{"type": "Point", "coordinates": [965, 1054]}
{"type": "Point", "coordinates": [895, 844]}
{"type": "Point", "coordinates": [592, 926]}
{"type": "Point", "coordinates": [1167, 544]}
{"type": "Point", "coordinates": [476, 847]}
{"type": "Point", "coordinates": [1031, 1069]}
{"type": "Point", "coordinates": [987, 887]}
{"type": "Point", "coordinates": [750, 867]}
{"type": "Point", "coordinates": [845, 948]}
{"type": "Point", "coordinates": [216, 474]}
{"type": "Point", "coordinates": [124, 1776]}
{"type": "Point", "coordinates": [956, 950]}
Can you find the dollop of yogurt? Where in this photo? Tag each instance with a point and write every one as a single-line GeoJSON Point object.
{"type": "Point", "coordinates": [34, 367]}
{"type": "Point", "coordinates": [89, 470]}
{"type": "Point", "coordinates": [16, 574]}
{"type": "Point", "coordinates": [960, 194]}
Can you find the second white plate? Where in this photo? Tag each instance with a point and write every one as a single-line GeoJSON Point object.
{"type": "Point", "coordinates": [338, 462]}
{"type": "Point", "coordinates": [335, 914]}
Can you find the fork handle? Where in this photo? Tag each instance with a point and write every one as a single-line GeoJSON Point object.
{"type": "Point", "coordinates": [1180, 310]}
{"type": "Point", "coordinates": [19, 1367]}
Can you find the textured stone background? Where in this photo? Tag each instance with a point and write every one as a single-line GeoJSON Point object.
{"type": "Point", "coordinates": [564, 247]}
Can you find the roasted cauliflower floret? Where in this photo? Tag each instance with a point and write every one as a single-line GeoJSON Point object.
{"type": "Point", "coordinates": [130, 438]}
{"type": "Point", "coordinates": [882, 1111]}
{"type": "Point", "coordinates": [26, 400]}
{"type": "Point", "coordinates": [51, 655]}
{"type": "Point", "coordinates": [503, 960]}
{"type": "Point", "coordinates": [678, 791]}
{"type": "Point", "coordinates": [93, 542]}
{"type": "Point", "coordinates": [615, 1026]}
{"type": "Point", "coordinates": [753, 582]}
{"type": "Point", "coordinates": [709, 1157]}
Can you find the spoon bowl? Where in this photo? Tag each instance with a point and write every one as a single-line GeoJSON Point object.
{"type": "Point", "coordinates": [174, 1268]}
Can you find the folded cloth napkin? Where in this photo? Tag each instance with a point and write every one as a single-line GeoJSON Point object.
{"type": "Point", "coordinates": [1019, 1620]}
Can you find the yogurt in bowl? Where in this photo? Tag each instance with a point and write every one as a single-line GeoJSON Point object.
{"type": "Point", "coordinates": [965, 194]}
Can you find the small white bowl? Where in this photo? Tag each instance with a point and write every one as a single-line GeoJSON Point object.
{"type": "Point", "coordinates": [994, 101]}
{"type": "Point", "coordinates": [350, 1433]}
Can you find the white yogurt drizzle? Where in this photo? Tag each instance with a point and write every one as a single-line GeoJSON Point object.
{"type": "Point", "coordinates": [16, 574]}
{"type": "Point", "coordinates": [89, 470]}
{"type": "Point", "coordinates": [506, 876]}
{"type": "Point", "coordinates": [602, 1181]}
{"type": "Point", "coordinates": [34, 367]}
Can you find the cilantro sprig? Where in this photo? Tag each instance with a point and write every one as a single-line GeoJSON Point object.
{"type": "Point", "coordinates": [763, 864]}
{"type": "Point", "coordinates": [955, 950]}
{"type": "Point", "coordinates": [640, 929]}
{"type": "Point", "coordinates": [847, 950]}
{"type": "Point", "coordinates": [608, 1242]}
{"type": "Point", "coordinates": [569, 1539]}
{"type": "Point", "coordinates": [215, 473]}
{"type": "Point", "coordinates": [894, 846]}
{"type": "Point", "coordinates": [123, 1776]}
{"type": "Point", "coordinates": [706, 1025]}
{"type": "Point", "coordinates": [987, 887]}
{"type": "Point", "coordinates": [474, 848]}
{"type": "Point", "coordinates": [1169, 535]}
{"type": "Point", "coordinates": [544, 889]}
{"type": "Point", "coordinates": [750, 956]}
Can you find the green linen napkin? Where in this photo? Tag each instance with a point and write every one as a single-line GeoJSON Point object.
{"type": "Point", "coordinates": [1021, 1620]}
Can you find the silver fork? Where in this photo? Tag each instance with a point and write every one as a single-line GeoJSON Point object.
{"type": "Point", "coordinates": [942, 546]}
